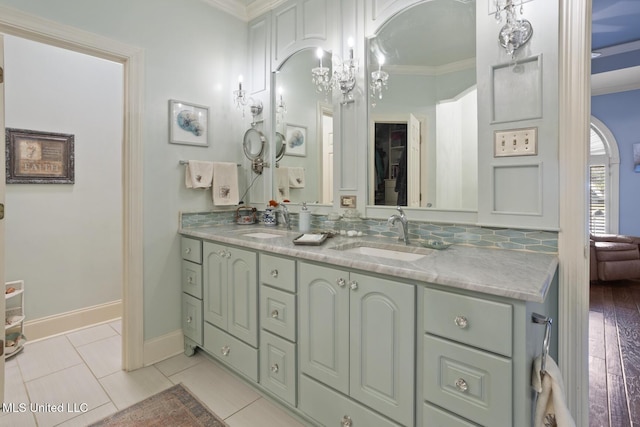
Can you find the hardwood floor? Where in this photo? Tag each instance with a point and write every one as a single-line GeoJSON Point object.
{"type": "Point", "coordinates": [614, 354]}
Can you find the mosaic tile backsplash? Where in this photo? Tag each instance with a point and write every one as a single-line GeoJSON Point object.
{"type": "Point", "coordinates": [490, 237]}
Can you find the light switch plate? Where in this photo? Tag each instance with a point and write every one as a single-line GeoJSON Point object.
{"type": "Point", "coordinates": [347, 201]}
{"type": "Point", "coordinates": [516, 142]}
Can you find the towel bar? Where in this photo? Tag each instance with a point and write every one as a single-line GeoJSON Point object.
{"type": "Point", "coordinates": [186, 162]}
{"type": "Point", "coordinates": [547, 321]}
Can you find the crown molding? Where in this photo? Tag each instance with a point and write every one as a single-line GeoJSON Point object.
{"type": "Point", "coordinates": [244, 12]}
{"type": "Point", "coordinates": [465, 64]}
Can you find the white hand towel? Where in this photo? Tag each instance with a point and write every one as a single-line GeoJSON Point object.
{"type": "Point", "coordinates": [296, 177]}
{"type": "Point", "coordinates": [551, 408]}
{"type": "Point", "coordinates": [225, 184]}
{"type": "Point", "coordinates": [282, 183]}
{"type": "Point", "coordinates": [198, 174]}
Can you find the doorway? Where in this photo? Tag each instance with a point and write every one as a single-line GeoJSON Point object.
{"type": "Point", "coordinates": [28, 27]}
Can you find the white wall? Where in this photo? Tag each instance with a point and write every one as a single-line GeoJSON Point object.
{"type": "Point", "coordinates": [65, 240]}
{"type": "Point", "coordinates": [192, 52]}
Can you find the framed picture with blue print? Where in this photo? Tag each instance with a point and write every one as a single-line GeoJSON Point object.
{"type": "Point", "coordinates": [296, 137]}
{"type": "Point", "coordinates": [636, 157]}
{"type": "Point", "coordinates": [188, 123]}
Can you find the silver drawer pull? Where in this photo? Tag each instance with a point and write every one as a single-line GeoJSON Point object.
{"type": "Point", "coordinates": [346, 421]}
{"type": "Point", "coordinates": [341, 282]}
{"type": "Point", "coordinates": [274, 273]}
{"type": "Point", "coordinates": [461, 322]}
{"type": "Point", "coordinates": [275, 314]}
{"type": "Point", "coordinates": [190, 280]}
{"type": "Point", "coordinates": [275, 368]}
{"type": "Point", "coordinates": [189, 319]}
{"type": "Point", "coordinates": [353, 284]}
{"type": "Point", "coordinates": [225, 350]}
{"type": "Point", "coordinates": [187, 251]}
{"type": "Point", "coordinates": [462, 385]}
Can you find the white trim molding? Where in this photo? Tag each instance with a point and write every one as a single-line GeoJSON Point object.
{"type": "Point", "coordinates": [49, 326]}
{"type": "Point", "coordinates": [30, 27]}
{"type": "Point", "coordinates": [163, 347]}
{"type": "Point", "coordinates": [573, 246]}
{"type": "Point", "coordinates": [615, 81]}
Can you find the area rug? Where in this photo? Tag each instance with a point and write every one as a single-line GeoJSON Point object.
{"type": "Point", "coordinates": [175, 407]}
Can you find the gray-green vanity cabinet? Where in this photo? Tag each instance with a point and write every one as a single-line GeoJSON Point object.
{"type": "Point", "coordinates": [278, 320]}
{"type": "Point", "coordinates": [231, 306]}
{"type": "Point", "coordinates": [356, 344]}
{"type": "Point", "coordinates": [191, 293]}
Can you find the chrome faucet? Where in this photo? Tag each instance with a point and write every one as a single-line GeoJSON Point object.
{"type": "Point", "coordinates": [404, 224]}
{"type": "Point", "coordinates": [285, 216]}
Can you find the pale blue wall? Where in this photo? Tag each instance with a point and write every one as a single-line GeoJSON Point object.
{"type": "Point", "coordinates": [621, 113]}
{"type": "Point", "coordinates": [192, 52]}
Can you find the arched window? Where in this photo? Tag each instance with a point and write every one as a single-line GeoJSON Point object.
{"type": "Point", "coordinates": [604, 167]}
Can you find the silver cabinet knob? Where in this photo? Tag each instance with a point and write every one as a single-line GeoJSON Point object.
{"type": "Point", "coordinates": [187, 251]}
{"type": "Point", "coordinates": [189, 319]}
{"type": "Point", "coordinates": [190, 280]}
{"type": "Point", "coordinates": [353, 285]}
{"type": "Point", "coordinates": [275, 314]}
{"type": "Point", "coordinates": [274, 273]}
{"type": "Point", "coordinates": [461, 322]}
{"type": "Point", "coordinates": [462, 385]}
{"type": "Point", "coordinates": [341, 282]}
{"type": "Point", "coordinates": [227, 254]}
{"type": "Point", "coordinates": [221, 253]}
{"type": "Point", "coordinates": [346, 421]}
{"type": "Point", "coordinates": [275, 368]}
{"type": "Point", "coordinates": [225, 350]}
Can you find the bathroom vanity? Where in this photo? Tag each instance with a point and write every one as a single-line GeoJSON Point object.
{"type": "Point", "coordinates": [366, 331]}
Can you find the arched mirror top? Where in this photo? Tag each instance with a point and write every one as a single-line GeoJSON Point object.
{"type": "Point", "coordinates": [421, 73]}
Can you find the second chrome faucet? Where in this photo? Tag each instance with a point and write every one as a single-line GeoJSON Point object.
{"type": "Point", "coordinates": [404, 224]}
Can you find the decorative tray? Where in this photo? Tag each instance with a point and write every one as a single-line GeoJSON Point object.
{"type": "Point", "coordinates": [315, 239]}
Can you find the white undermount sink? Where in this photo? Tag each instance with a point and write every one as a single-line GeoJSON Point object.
{"type": "Point", "coordinates": [392, 252]}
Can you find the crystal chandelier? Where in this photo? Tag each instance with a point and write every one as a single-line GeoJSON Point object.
{"type": "Point", "coordinates": [516, 32]}
{"type": "Point", "coordinates": [378, 81]}
{"type": "Point", "coordinates": [343, 77]}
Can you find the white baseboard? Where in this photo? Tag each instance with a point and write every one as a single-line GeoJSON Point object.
{"type": "Point", "coordinates": [163, 347]}
{"type": "Point", "coordinates": [49, 326]}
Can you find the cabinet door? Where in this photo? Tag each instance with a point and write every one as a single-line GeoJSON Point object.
{"type": "Point", "coordinates": [242, 295]}
{"type": "Point", "coordinates": [382, 363]}
{"type": "Point", "coordinates": [215, 284]}
{"type": "Point", "coordinates": [324, 325]}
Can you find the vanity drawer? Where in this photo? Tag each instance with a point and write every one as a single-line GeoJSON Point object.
{"type": "Point", "coordinates": [191, 249]}
{"type": "Point", "coordinates": [192, 318]}
{"type": "Point", "coordinates": [278, 312]}
{"type": "Point", "coordinates": [472, 383]}
{"type": "Point", "coordinates": [432, 416]}
{"type": "Point", "coordinates": [278, 366]}
{"type": "Point", "coordinates": [474, 321]}
{"type": "Point", "coordinates": [330, 408]}
{"type": "Point", "coordinates": [278, 272]}
{"type": "Point", "coordinates": [231, 351]}
{"type": "Point", "coordinates": [192, 278]}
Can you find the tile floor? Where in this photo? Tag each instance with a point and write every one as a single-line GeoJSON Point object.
{"type": "Point", "coordinates": [81, 371]}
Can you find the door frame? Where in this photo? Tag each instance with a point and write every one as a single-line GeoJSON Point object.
{"type": "Point", "coordinates": [30, 27]}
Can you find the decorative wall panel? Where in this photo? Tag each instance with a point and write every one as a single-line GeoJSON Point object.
{"type": "Point", "coordinates": [517, 90]}
{"type": "Point", "coordinates": [517, 189]}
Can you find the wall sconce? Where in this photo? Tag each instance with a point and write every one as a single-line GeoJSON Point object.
{"type": "Point", "coordinates": [344, 75]}
{"type": "Point", "coordinates": [516, 32]}
{"type": "Point", "coordinates": [379, 80]}
{"type": "Point", "coordinates": [241, 100]}
{"type": "Point", "coordinates": [281, 108]}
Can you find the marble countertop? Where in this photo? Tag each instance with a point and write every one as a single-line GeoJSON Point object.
{"type": "Point", "coordinates": [513, 274]}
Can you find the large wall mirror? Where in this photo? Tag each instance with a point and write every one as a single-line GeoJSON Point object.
{"type": "Point", "coordinates": [303, 119]}
{"type": "Point", "coordinates": [423, 125]}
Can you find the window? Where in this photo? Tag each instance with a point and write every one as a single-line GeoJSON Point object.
{"type": "Point", "coordinates": [603, 180]}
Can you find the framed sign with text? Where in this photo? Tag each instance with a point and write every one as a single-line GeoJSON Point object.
{"type": "Point", "coordinates": [34, 157]}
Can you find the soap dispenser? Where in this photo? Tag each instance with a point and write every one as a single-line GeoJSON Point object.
{"type": "Point", "coordinates": [304, 219]}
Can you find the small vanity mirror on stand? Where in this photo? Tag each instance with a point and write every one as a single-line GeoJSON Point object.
{"type": "Point", "coordinates": [281, 147]}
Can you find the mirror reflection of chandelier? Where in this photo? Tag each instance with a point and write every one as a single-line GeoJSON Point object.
{"type": "Point", "coordinates": [343, 77]}
{"type": "Point", "coordinates": [379, 81]}
{"type": "Point", "coordinates": [516, 32]}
